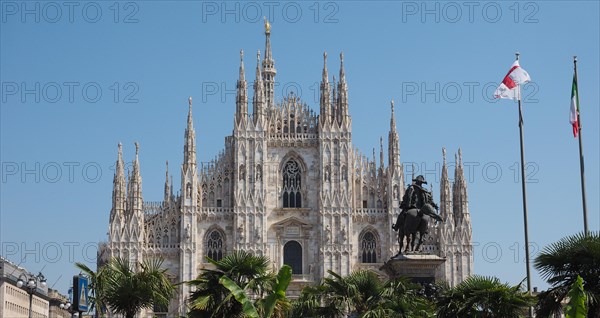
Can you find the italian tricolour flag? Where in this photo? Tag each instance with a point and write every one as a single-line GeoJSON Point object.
{"type": "Point", "coordinates": [574, 107]}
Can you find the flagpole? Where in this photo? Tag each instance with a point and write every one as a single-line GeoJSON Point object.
{"type": "Point", "coordinates": [524, 193]}
{"type": "Point", "coordinates": [581, 165]}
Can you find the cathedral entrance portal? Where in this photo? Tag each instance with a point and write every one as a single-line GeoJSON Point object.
{"type": "Point", "coordinates": [292, 256]}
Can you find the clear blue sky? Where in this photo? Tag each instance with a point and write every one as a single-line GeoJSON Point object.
{"type": "Point", "coordinates": [440, 62]}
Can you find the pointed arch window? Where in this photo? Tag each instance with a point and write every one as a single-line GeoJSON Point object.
{"type": "Point", "coordinates": [368, 246]}
{"type": "Point", "coordinates": [165, 236]}
{"type": "Point", "coordinates": [292, 182]}
{"type": "Point", "coordinates": [292, 256]}
{"type": "Point", "coordinates": [214, 245]}
{"type": "Point", "coordinates": [173, 235]}
{"type": "Point", "coordinates": [204, 194]}
{"type": "Point", "coordinates": [211, 198]}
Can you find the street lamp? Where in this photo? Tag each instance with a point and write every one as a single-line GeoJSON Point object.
{"type": "Point", "coordinates": [31, 282]}
{"type": "Point", "coordinates": [67, 306]}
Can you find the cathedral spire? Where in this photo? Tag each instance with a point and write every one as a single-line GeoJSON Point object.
{"type": "Point", "coordinates": [393, 141]}
{"type": "Point", "coordinates": [168, 186]}
{"type": "Point", "coordinates": [342, 71]}
{"type": "Point", "coordinates": [119, 187]}
{"type": "Point", "coordinates": [459, 193]}
{"type": "Point", "coordinates": [325, 115]}
{"type": "Point", "coordinates": [134, 185]}
{"type": "Point", "coordinates": [241, 101]}
{"type": "Point", "coordinates": [258, 100]}
{"type": "Point", "coordinates": [334, 106]}
{"type": "Point", "coordinates": [190, 117]}
{"type": "Point", "coordinates": [136, 163]}
{"type": "Point", "coordinates": [381, 153]}
{"type": "Point", "coordinates": [374, 161]}
{"type": "Point", "coordinates": [267, 39]}
{"type": "Point", "coordinates": [325, 77]}
{"type": "Point", "coordinates": [171, 187]}
{"type": "Point", "coordinates": [268, 65]}
{"type": "Point", "coordinates": [258, 72]}
{"type": "Point", "coordinates": [392, 117]}
{"type": "Point", "coordinates": [343, 94]}
{"type": "Point", "coordinates": [189, 147]}
{"type": "Point", "coordinates": [445, 192]}
{"type": "Point", "coordinates": [242, 75]}
{"type": "Point", "coordinates": [119, 170]}
{"type": "Point", "coordinates": [135, 213]}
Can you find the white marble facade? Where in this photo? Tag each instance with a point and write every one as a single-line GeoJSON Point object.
{"type": "Point", "coordinates": [289, 185]}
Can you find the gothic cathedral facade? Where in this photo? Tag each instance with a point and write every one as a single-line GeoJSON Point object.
{"type": "Point", "coordinates": [289, 185]}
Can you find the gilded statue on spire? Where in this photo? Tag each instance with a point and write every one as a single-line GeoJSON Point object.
{"type": "Point", "coordinates": [267, 26]}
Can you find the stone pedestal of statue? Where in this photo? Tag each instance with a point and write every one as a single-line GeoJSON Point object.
{"type": "Point", "coordinates": [420, 268]}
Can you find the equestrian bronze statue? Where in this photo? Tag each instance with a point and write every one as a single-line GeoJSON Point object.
{"type": "Point", "coordinates": [417, 208]}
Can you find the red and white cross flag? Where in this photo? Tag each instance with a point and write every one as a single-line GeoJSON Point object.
{"type": "Point", "coordinates": [509, 88]}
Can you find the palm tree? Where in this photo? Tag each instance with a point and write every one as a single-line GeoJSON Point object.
{"type": "Point", "coordinates": [405, 299]}
{"type": "Point", "coordinates": [479, 296]}
{"type": "Point", "coordinates": [336, 295]}
{"type": "Point", "coordinates": [126, 291]}
{"type": "Point", "coordinates": [361, 294]}
{"type": "Point", "coordinates": [309, 304]}
{"type": "Point", "coordinates": [275, 304]}
{"type": "Point", "coordinates": [560, 263]}
{"type": "Point", "coordinates": [96, 288]}
{"type": "Point", "coordinates": [366, 289]}
{"type": "Point", "coordinates": [212, 299]}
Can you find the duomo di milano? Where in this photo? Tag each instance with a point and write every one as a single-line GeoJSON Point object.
{"type": "Point", "coordinates": [289, 185]}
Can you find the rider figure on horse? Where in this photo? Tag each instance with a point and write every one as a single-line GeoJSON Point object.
{"type": "Point", "coordinates": [416, 197]}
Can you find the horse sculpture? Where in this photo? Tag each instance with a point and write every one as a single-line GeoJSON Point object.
{"type": "Point", "coordinates": [415, 221]}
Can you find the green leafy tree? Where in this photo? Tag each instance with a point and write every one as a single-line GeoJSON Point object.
{"type": "Point", "coordinates": [125, 290]}
{"type": "Point", "coordinates": [479, 296]}
{"type": "Point", "coordinates": [560, 263]}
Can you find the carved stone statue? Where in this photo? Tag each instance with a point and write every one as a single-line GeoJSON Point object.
{"type": "Point", "coordinates": [257, 235]}
{"type": "Point", "coordinates": [242, 172]}
{"type": "Point", "coordinates": [241, 233]}
{"type": "Point", "coordinates": [258, 173]}
{"type": "Point", "coordinates": [327, 233]}
{"type": "Point", "coordinates": [417, 209]}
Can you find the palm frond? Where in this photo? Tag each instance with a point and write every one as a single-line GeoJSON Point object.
{"type": "Point", "coordinates": [561, 262]}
